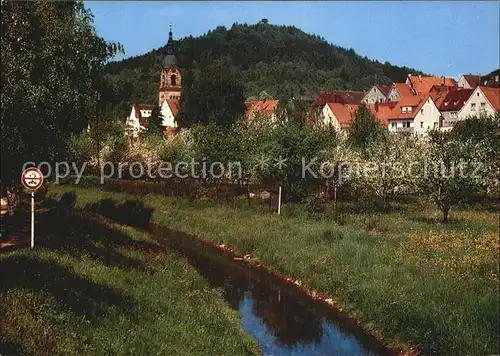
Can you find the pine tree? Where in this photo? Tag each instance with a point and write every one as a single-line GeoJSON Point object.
{"type": "Point", "coordinates": [364, 128]}
{"type": "Point", "coordinates": [155, 122]}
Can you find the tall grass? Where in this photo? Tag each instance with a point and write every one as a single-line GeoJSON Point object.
{"type": "Point", "coordinates": [98, 288]}
{"type": "Point", "coordinates": [415, 280]}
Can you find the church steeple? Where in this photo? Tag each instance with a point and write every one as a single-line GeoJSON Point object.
{"type": "Point", "coordinates": [170, 60]}
{"type": "Point", "coordinates": [170, 76]}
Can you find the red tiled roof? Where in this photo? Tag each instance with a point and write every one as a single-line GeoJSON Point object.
{"type": "Point", "coordinates": [454, 100]}
{"type": "Point", "coordinates": [383, 112]}
{"type": "Point", "coordinates": [493, 96]}
{"type": "Point", "coordinates": [174, 106]}
{"type": "Point", "coordinates": [438, 93]}
{"type": "Point", "coordinates": [343, 113]}
{"type": "Point", "coordinates": [393, 111]}
{"type": "Point", "coordinates": [139, 107]}
{"type": "Point", "coordinates": [385, 89]}
{"type": "Point", "coordinates": [403, 89]}
{"type": "Point", "coordinates": [341, 96]}
{"type": "Point", "coordinates": [473, 80]}
{"type": "Point", "coordinates": [264, 107]}
{"type": "Point", "coordinates": [422, 85]}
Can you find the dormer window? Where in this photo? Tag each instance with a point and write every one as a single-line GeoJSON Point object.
{"type": "Point", "coordinates": [403, 109]}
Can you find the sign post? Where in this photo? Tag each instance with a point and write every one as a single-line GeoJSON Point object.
{"type": "Point", "coordinates": [279, 200]}
{"type": "Point", "coordinates": [32, 179]}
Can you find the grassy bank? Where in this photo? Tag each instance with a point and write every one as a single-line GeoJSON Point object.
{"type": "Point", "coordinates": [93, 287]}
{"type": "Point", "coordinates": [417, 281]}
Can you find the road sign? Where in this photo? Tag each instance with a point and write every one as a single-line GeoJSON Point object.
{"type": "Point", "coordinates": [32, 178]}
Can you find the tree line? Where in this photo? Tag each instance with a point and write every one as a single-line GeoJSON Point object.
{"type": "Point", "coordinates": [280, 60]}
{"type": "Point", "coordinates": [364, 163]}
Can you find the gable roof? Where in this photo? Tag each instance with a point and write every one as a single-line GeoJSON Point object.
{"type": "Point", "coordinates": [454, 100]}
{"type": "Point", "coordinates": [422, 85]}
{"type": "Point", "coordinates": [385, 112]}
{"type": "Point", "coordinates": [438, 93]}
{"type": "Point", "coordinates": [490, 79]}
{"type": "Point", "coordinates": [174, 106]}
{"type": "Point", "coordinates": [139, 107]}
{"type": "Point", "coordinates": [264, 107]}
{"type": "Point", "coordinates": [473, 80]}
{"type": "Point", "coordinates": [385, 89]}
{"type": "Point", "coordinates": [343, 113]}
{"type": "Point", "coordinates": [341, 96]}
{"type": "Point", "coordinates": [493, 96]}
{"type": "Point", "coordinates": [403, 89]}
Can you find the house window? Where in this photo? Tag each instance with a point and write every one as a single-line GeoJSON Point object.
{"type": "Point", "coordinates": [421, 124]}
{"type": "Point", "coordinates": [393, 124]}
{"type": "Point", "coordinates": [497, 78]}
{"type": "Point", "coordinates": [406, 124]}
{"type": "Point", "coordinates": [409, 108]}
{"type": "Point", "coordinates": [403, 109]}
{"type": "Point", "coordinates": [483, 105]}
{"type": "Point", "coordinates": [173, 79]}
{"type": "Point", "coordinates": [473, 107]}
{"type": "Point", "coordinates": [477, 94]}
{"type": "Point", "coordinates": [422, 111]}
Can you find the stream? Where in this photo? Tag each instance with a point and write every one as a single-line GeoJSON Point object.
{"type": "Point", "coordinates": [280, 316]}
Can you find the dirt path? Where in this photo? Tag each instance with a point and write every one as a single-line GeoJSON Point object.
{"type": "Point", "coordinates": [15, 230]}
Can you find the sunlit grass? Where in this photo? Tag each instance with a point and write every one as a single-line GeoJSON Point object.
{"type": "Point", "coordinates": [416, 280]}
{"type": "Point", "coordinates": [122, 300]}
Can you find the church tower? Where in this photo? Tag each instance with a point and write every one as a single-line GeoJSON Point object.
{"type": "Point", "coordinates": [170, 76]}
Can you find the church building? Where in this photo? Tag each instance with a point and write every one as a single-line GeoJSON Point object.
{"type": "Point", "coordinates": [169, 94]}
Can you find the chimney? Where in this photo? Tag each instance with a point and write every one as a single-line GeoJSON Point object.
{"type": "Point", "coordinates": [442, 80]}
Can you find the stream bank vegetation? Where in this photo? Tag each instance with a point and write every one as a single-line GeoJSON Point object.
{"type": "Point", "coordinates": [413, 257]}
{"type": "Point", "coordinates": [93, 287]}
{"type": "Point", "coordinates": [402, 274]}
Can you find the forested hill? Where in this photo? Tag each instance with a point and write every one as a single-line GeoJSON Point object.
{"type": "Point", "coordinates": [270, 58]}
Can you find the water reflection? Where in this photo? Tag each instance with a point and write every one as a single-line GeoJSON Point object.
{"type": "Point", "coordinates": [283, 322]}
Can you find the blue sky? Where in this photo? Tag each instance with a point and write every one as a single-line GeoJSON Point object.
{"type": "Point", "coordinates": [441, 38]}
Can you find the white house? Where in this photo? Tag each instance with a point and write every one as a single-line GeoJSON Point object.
{"type": "Point", "coordinates": [377, 94]}
{"type": "Point", "coordinates": [338, 115]}
{"type": "Point", "coordinates": [415, 114]}
{"type": "Point", "coordinates": [135, 123]}
{"type": "Point", "coordinates": [140, 113]}
{"type": "Point", "coordinates": [169, 110]}
{"type": "Point", "coordinates": [469, 81]}
{"type": "Point", "coordinates": [483, 101]}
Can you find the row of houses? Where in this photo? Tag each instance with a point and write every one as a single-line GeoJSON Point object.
{"type": "Point", "coordinates": [415, 106]}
